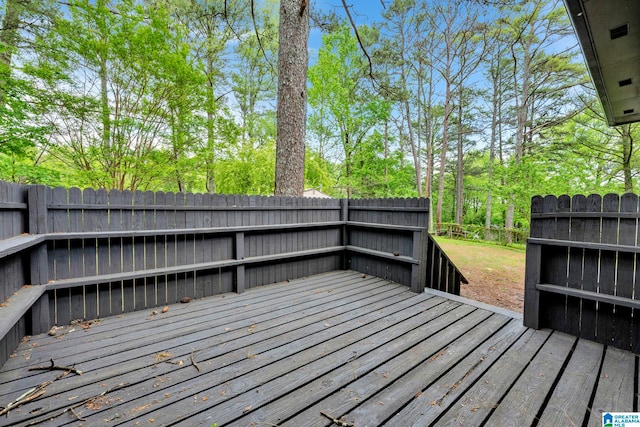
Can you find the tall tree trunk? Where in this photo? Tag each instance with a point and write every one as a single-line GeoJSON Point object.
{"type": "Point", "coordinates": [460, 167]}
{"type": "Point", "coordinates": [105, 113]}
{"type": "Point", "coordinates": [415, 150]}
{"type": "Point", "coordinates": [443, 151]}
{"type": "Point", "coordinates": [347, 160]}
{"type": "Point", "coordinates": [386, 157]}
{"type": "Point", "coordinates": [428, 138]}
{"type": "Point", "coordinates": [210, 150]}
{"type": "Point", "coordinates": [293, 59]}
{"type": "Point", "coordinates": [8, 44]}
{"type": "Point", "coordinates": [492, 152]}
{"type": "Point", "coordinates": [627, 151]}
{"type": "Point", "coordinates": [522, 108]}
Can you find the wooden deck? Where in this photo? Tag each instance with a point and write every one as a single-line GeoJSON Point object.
{"type": "Point", "coordinates": [358, 348]}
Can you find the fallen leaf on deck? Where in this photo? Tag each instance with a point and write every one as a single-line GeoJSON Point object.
{"type": "Point", "coordinates": [163, 355]}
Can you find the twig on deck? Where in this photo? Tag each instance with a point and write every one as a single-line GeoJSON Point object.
{"type": "Point", "coordinates": [30, 395]}
{"type": "Point", "coordinates": [193, 362]}
{"type": "Point", "coordinates": [337, 421]}
{"type": "Point", "coordinates": [54, 367]}
{"type": "Point", "coordinates": [76, 405]}
{"type": "Point", "coordinates": [77, 416]}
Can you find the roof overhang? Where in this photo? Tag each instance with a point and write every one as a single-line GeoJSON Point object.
{"type": "Point", "coordinates": [609, 33]}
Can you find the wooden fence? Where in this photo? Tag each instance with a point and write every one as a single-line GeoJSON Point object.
{"type": "Point", "coordinates": [582, 272]}
{"type": "Point", "coordinates": [72, 254]}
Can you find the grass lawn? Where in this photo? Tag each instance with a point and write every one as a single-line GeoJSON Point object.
{"type": "Point", "coordinates": [495, 273]}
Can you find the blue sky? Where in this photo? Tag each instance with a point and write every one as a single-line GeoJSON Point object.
{"type": "Point", "coordinates": [362, 12]}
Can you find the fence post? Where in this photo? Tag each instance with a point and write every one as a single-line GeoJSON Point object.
{"type": "Point", "coordinates": [240, 278]}
{"type": "Point", "coordinates": [37, 205]}
{"type": "Point", "coordinates": [344, 240]}
{"type": "Point", "coordinates": [531, 279]}
{"type": "Point", "coordinates": [38, 263]}
{"type": "Point", "coordinates": [421, 253]}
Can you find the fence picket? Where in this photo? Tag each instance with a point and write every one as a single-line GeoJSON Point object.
{"type": "Point", "coordinates": [575, 266]}
{"type": "Point", "coordinates": [606, 283]}
{"type": "Point", "coordinates": [161, 248]}
{"type": "Point", "coordinates": [102, 254]}
{"type": "Point", "coordinates": [78, 296]}
{"type": "Point", "coordinates": [592, 229]}
{"type": "Point", "coordinates": [138, 291]}
{"type": "Point", "coordinates": [129, 248]}
{"type": "Point", "coordinates": [556, 269]}
{"type": "Point", "coordinates": [625, 275]}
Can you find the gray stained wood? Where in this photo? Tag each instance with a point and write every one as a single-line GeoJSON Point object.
{"type": "Point", "coordinates": [361, 349]}
{"type": "Point", "coordinates": [582, 268]}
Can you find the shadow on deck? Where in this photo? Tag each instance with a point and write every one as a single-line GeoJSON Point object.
{"type": "Point", "coordinates": [360, 349]}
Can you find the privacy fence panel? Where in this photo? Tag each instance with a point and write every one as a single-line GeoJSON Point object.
{"type": "Point", "coordinates": [71, 254]}
{"type": "Point", "coordinates": [396, 241]}
{"type": "Point", "coordinates": [114, 235]}
{"type": "Point", "coordinates": [582, 268]}
{"type": "Point", "coordinates": [14, 264]}
{"type": "Point", "coordinates": [405, 236]}
{"type": "Point", "coordinates": [13, 223]}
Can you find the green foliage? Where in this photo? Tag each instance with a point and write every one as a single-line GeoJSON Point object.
{"type": "Point", "coordinates": [318, 173]}
{"type": "Point", "coordinates": [248, 171]}
{"type": "Point", "coordinates": [345, 111]}
{"type": "Point", "coordinates": [180, 96]}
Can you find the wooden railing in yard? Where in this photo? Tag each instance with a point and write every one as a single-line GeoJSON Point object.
{"type": "Point", "coordinates": [72, 254]}
{"type": "Point", "coordinates": [582, 275]}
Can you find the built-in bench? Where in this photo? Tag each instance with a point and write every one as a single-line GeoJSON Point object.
{"type": "Point", "coordinates": [86, 254]}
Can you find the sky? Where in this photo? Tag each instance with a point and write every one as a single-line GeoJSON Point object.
{"type": "Point", "coordinates": [362, 11]}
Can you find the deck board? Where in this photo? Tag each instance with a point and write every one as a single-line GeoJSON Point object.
{"type": "Point", "coordinates": [570, 399]}
{"type": "Point", "coordinates": [615, 384]}
{"type": "Point", "coordinates": [358, 348]}
{"type": "Point", "coordinates": [523, 401]}
{"type": "Point", "coordinates": [437, 396]}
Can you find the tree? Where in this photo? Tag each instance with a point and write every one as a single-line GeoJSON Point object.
{"type": "Point", "coordinates": [293, 59]}
{"type": "Point", "coordinates": [458, 24]}
{"type": "Point", "coordinates": [595, 157]}
{"type": "Point", "coordinates": [253, 78]}
{"type": "Point", "coordinates": [404, 22]}
{"type": "Point", "coordinates": [123, 84]}
{"type": "Point", "coordinates": [341, 102]}
{"type": "Point", "coordinates": [22, 132]}
{"type": "Point", "coordinates": [210, 27]}
{"type": "Point", "coordinates": [542, 77]}
{"type": "Point", "coordinates": [8, 44]}
{"type": "Point", "coordinates": [495, 72]}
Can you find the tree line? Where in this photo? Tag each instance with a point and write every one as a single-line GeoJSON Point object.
{"type": "Point", "coordinates": [475, 105]}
